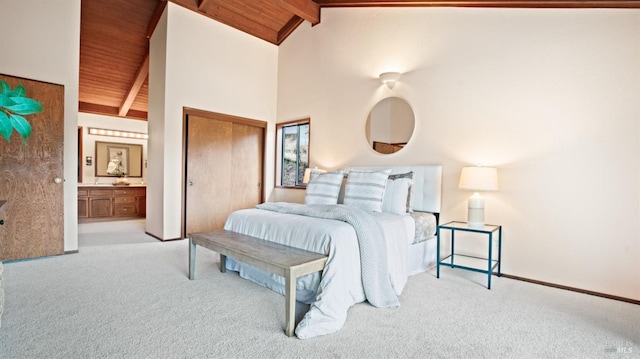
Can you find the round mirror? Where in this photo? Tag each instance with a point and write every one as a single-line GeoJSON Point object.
{"type": "Point", "coordinates": [390, 125]}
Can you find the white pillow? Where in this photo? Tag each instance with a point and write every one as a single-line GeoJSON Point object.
{"type": "Point", "coordinates": [405, 175]}
{"type": "Point", "coordinates": [323, 188]}
{"type": "Point", "coordinates": [396, 195]}
{"type": "Point", "coordinates": [365, 189]}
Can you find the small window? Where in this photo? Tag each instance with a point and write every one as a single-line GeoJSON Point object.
{"type": "Point", "coordinates": [293, 152]}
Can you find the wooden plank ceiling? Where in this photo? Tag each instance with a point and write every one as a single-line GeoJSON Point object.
{"type": "Point", "coordinates": [114, 37]}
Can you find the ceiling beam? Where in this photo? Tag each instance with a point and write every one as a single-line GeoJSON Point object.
{"type": "Point", "coordinates": [141, 75]}
{"type": "Point", "coordinates": [155, 17]}
{"type": "Point", "coordinates": [288, 28]}
{"type": "Point", "coordinates": [202, 6]}
{"type": "Point", "coordinates": [87, 107]}
{"type": "Point", "coordinates": [306, 9]}
{"type": "Point", "coordinates": [488, 3]}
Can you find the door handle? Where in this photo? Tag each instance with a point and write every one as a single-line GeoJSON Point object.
{"type": "Point", "coordinates": [57, 180]}
{"type": "Point", "coordinates": [190, 183]}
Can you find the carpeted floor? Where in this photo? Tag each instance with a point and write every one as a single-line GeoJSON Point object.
{"type": "Point", "coordinates": [126, 295]}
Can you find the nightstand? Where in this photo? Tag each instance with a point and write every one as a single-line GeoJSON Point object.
{"type": "Point", "coordinates": [462, 261]}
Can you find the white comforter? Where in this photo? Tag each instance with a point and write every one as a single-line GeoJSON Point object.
{"type": "Point", "coordinates": [340, 286]}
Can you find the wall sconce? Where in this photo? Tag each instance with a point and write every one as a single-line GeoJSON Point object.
{"type": "Point", "coordinates": [477, 179]}
{"type": "Point", "coordinates": [115, 133]}
{"type": "Point", "coordinates": [389, 78]}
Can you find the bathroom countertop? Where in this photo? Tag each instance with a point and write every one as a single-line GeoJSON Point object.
{"type": "Point", "coordinates": [131, 184]}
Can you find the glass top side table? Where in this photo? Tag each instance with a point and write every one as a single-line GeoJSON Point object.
{"type": "Point", "coordinates": [467, 262]}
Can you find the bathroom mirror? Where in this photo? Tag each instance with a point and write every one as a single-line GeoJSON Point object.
{"type": "Point", "coordinates": [118, 159]}
{"type": "Point", "coordinates": [390, 125]}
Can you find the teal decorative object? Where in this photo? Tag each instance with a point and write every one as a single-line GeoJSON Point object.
{"type": "Point", "coordinates": [13, 106]}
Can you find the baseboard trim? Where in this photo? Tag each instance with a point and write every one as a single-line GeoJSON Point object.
{"type": "Point", "coordinates": [162, 240]}
{"type": "Point", "coordinates": [573, 289]}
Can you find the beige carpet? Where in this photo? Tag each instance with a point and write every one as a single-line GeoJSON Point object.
{"type": "Point", "coordinates": [126, 295]}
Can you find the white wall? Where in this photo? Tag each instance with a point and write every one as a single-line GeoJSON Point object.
{"type": "Point", "coordinates": [207, 66]}
{"type": "Point", "coordinates": [41, 41]}
{"type": "Point", "coordinates": [156, 126]}
{"type": "Point", "coordinates": [550, 97]}
{"type": "Point", "coordinates": [87, 120]}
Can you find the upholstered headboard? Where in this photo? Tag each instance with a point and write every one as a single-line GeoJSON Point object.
{"type": "Point", "coordinates": [426, 192]}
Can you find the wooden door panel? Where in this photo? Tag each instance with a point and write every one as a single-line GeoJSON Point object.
{"type": "Point", "coordinates": [208, 173]}
{"type": "Point", "coordinates": [83, 207]}
{"type": "Point", "coordinates": [100, 207]}
{"type": "Point", "coordinates": [247, 169]}
{"type": "Point", "coordinates": [34, 222]}
{"type": "Point", "coordinates": [224, 168]}
{"type": "Point", "coordinates": [141, 206]}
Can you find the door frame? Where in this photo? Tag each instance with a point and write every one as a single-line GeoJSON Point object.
{"type": "Point", "coordinates": [188, 111]}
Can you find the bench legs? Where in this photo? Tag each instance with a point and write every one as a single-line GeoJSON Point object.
{"type": "Point", "coordinates": [223, 263]}
{"type": "Point", "coordinates": [290, 286]}
{"type": "Point", "coordinates": [290, 298]}
{"type": "Point", "coordinates": [192, 258]}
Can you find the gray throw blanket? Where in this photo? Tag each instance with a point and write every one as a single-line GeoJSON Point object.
{"type": "Point", "coordinates": [373, 252]}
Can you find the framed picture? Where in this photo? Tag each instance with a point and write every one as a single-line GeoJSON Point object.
{"type": "Point", "coordinates": [118, 159]}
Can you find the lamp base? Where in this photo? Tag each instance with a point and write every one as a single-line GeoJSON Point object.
{"type": "Point", "coordinates": [475, 212]}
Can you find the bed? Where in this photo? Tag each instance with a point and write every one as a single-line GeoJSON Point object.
{"type": "Point", "coordinates": [378, 228]}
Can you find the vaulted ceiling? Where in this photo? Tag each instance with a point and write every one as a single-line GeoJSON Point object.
{"type": "Point", "coordinates": [114, 37]}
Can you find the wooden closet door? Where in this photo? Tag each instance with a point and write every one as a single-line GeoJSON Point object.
{"type": "Point", "coordinates": [224, 170]}
{"type": "Point", "coordinates": [247, 171]}
{"type": "Point", "coordinates": [34, 220]}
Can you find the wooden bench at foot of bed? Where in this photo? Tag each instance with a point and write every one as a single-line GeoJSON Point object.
{"type": "Point", "coordinates": [288, 262]}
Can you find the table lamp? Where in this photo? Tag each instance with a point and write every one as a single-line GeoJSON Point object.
{"type": "Point", "coordinates": [477, 179]}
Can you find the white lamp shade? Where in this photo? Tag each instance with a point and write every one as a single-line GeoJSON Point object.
{"type": "Point", "coordinates": [479, 179]}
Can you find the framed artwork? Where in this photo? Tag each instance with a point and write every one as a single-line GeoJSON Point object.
{"type": "Point", "coordinates": [118, 159]}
